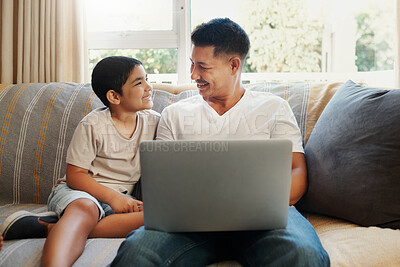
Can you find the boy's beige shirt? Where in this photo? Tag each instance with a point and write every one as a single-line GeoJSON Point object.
{"type": "Point", "coordinates": [111, 158]}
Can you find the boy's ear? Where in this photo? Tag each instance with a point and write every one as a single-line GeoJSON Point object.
{"type": "Point", "coordinates": [113, 97]}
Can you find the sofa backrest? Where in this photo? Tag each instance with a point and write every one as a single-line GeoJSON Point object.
{"type": "Point", "coordinates": [38, 120]}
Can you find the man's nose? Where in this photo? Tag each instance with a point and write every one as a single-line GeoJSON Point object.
{"type": "Point", "coordinates": [193, 73]}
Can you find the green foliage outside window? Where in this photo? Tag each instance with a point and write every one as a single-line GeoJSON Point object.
{"type": "Point", "coordinates": [374, 47]}
{"type": "Point", "coordinates": [154, 60]}
{"type": "Point", "coordinates": [284, 38]}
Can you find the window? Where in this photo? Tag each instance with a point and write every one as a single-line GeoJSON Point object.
{"type": "Point", "coordinates": [290, 39]}
{"type": "Point", "coordinates": [153, 31]}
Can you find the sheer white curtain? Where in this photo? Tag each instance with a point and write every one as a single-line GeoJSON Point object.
{"type": "Point", "coordinates": [43, 41]}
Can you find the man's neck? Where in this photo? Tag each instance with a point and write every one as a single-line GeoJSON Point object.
{"type": "Point", "coordinates": [222, 104]}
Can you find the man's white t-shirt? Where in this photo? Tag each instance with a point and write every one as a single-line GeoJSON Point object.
{"type": "Point", "coordinates": [111, 158]}
{"type": "Point", "coordinates": [257, 115]}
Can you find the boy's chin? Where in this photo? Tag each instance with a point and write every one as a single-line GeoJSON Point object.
{"type": "Point", "coordinates": [149, 105]}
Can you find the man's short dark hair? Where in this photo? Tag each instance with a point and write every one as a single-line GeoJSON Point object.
{"type": "Point", "coordinates": [224, 34]}
{"type": "Point", "coordinates": [111, 73]}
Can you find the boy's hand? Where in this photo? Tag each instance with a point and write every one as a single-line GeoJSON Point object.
{"type": "Point", "coordinates": [125, 204]}
{"type": "Point", "coordinates": [79, 179]}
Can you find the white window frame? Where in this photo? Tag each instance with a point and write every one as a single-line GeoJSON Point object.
{"type": "Point", "coordinates": [177, 38]}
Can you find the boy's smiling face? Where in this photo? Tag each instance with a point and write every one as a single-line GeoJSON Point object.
{"type": "Point", "coordinates": [136, 92]}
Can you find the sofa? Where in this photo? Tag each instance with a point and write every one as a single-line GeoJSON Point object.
{"type": "Point", "coordinates": [37, 122]}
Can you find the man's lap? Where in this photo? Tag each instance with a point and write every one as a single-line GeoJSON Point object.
{"type": "Point", "coordinates": [274, 248]}
{"type": "Point", "coordinates": [248, 247]}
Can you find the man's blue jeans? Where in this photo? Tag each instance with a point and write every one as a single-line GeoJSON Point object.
{"type": "Point", "coordinates": [297, 245]}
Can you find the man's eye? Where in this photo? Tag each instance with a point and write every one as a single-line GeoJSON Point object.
{"type": "Point", "coordinates": [202, 68]}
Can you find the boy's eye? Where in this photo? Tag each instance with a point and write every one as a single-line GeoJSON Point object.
{"type": "Point", "coordinates": [139, 83]}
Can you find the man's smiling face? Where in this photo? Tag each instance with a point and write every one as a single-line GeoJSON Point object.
{"type": "Point", "coordinates": [212, 74]}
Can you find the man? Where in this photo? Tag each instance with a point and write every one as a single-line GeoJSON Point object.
{"type": "Point", "coordinates": [225, 110]}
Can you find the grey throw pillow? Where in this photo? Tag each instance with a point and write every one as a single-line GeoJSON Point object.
{"type": "Point", "coordinates": [353, 158]}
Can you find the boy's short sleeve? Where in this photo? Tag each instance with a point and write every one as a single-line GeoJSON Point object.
{"type": "Point", "coordinates": [82, 149]}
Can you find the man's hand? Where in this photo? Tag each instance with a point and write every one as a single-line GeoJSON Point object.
{"type": "Point", "coordinates": [125, 204]}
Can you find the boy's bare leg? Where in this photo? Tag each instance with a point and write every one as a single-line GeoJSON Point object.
{"type": "Point", "coordinates": [117, 225]}
{"type": "Point", "coordinates": [106, 228]}
{"type": "Point", "coordinates": [67, 238]}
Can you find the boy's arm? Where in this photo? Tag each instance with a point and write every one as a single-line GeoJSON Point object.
{"type": "Point", "coordinates": [299, 177]}
{"type": "Point", "coordinates": [79, 179]}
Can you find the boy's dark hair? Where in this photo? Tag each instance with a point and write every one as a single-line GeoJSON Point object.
{"type": "Point", "coordinates": [224, 34]}
{"type": "Point", "coordinates": [111, 73]}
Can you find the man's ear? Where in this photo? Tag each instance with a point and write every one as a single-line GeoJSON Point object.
{"type": "Point", "coordinates": [235, 64]}
{"type": "Point", "coordinates": [113, 97]}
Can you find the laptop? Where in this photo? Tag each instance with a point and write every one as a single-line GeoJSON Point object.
{"type": "Point", "coordinates": [215, 185]}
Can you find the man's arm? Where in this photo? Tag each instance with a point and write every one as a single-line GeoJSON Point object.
{"type": "Point", "coordinates": [79, 179]}
{"type": "Point", "coordinates": [299, 177]}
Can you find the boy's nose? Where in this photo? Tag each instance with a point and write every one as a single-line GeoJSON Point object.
{"type": "Point", "coordinates": [149, 86]}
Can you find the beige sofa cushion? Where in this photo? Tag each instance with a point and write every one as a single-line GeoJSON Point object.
{"type": "Point", "coordinates": [352, 245]}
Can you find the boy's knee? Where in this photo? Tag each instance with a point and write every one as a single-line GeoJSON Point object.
{"type": "Point", "coordinates": [85, 206]}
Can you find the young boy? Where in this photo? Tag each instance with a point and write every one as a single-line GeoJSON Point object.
{"type": "Point", "coordinates": [93, 199]}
